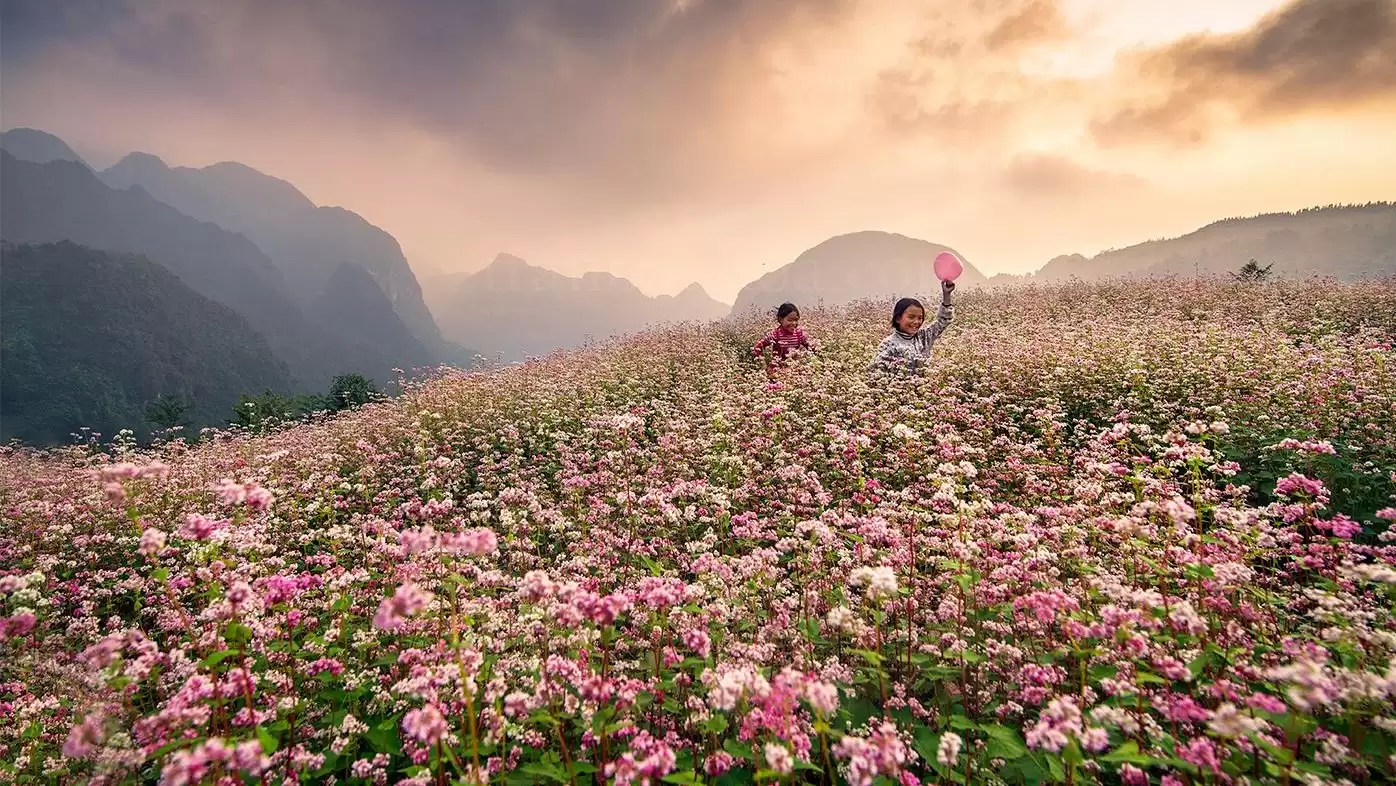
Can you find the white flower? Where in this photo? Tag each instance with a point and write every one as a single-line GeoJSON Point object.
{"type": "Point", "coordinates": [949, 751]}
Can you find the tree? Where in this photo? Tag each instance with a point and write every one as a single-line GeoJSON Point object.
{"type": "Point", "coordinates": [167, 412]}
{"type": "Point", "coordinates": [1252, 271]}
{"type": "Point", "coordinates": [352, 390]}
{"type": "Point", "coordinates": [264, 412]}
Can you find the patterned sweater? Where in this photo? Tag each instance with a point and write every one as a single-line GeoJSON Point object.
{"type": "Point", "coordinates": [910, 353]}
{"type": "Point", "coordinates": [782, 342]}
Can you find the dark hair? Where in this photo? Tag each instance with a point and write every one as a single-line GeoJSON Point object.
{"type": "Point", "coordinates": [785, 310]}
{"type": "Point", "coordinates": [901, 307]}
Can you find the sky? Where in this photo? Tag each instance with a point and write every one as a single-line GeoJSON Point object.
{"type": "Point", "coordinates": [672, 141]}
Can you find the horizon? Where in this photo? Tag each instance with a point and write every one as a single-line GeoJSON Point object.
{"type": "Point", "coordinates": [1080, 125]}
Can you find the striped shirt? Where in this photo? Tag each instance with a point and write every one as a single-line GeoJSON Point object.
{"type": "Point", "coordinates": [782, 342]}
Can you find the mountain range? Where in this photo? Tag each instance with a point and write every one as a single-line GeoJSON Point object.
{"type": "Point", "coordinates": [1347, 242]}
{"type": "Point", "coordinates": [318, 291]}
{"type": "Point", "coordinates": [517, 309]}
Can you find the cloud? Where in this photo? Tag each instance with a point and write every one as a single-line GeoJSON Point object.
{"type": "Point", "coordinates": [1309, 55]}
{"type": "Point", "coordinates": [1039, 175]}
{"type": "Point", "coordinates": [636, 96]}
{"type": "Point", "coordinates": [1037, 22]}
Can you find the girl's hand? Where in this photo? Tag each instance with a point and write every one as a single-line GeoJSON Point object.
{"type": "Point", "coordinates": [946, 287]}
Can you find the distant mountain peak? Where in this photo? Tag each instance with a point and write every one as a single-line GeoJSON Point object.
{"type": "Point", "coordinates": [853, 266]}
{"type": "Point", "coordinates": [504, 260]}
{"type": "Point", "coordinates": [39, 147]}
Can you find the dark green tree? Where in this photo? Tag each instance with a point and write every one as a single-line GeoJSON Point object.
{"type": "Point", "coordinates": [349, 391]}
{"type": "Point", "coordinates": [166, 412]}
{"type": "Point", "coordinates": [264, 412]}
{"type": "Point", "coordinates": [1252, 271]}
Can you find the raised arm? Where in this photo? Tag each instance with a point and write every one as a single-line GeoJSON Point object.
{"type": "Point", "coordinates": [944, 315]}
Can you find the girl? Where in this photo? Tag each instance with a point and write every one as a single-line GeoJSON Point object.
{"type": "Point", "coordinates": [784, 339]}
{"type": "Point", "coordinates": [908, 349]}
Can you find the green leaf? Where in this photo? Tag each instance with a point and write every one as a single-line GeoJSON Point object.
{"type": "Point", "coordinates": [871, 657]}
{"type": "Point", "coordinates": [1149, 677]}
{"type": "Point", "coordinates": [684, 778]}
{"type": "Point", "coordinates": [716, 724]}
{"type": "Point", "coordinates": [269, 742]}
{"type": "Point", "coordinates": [545, 769]}
{"type": "Point", "coordinates": [160, 574]}
{"type": "Point", "coordinates": [217, 658]}
{"type": "Point", "coordinates": [960, 722]}
{"type": "Point", "coordinates": [237, 633]}
{"type": "Point", "coordinates": [1005, 743]}
{"type": "Point", "coordinates": [1128, 752]}
{"type": "Point", "coordinates": [737, 749]}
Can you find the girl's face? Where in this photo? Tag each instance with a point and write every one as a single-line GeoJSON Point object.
{"type": "Point", "coordinates": [912, 319]}
{"type": "Point", "coordinates": [790, 321]}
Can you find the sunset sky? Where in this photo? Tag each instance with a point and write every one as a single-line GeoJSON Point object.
{"type": "Point", "coordinates": [670, 141]}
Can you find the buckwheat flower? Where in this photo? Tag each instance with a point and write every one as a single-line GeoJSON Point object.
{"type": "Point", "coordinates": [903, 431]}
{"type": "Point", "coordinates": [152, 542]}
{"type": "Point", "coordinates": [84, 737]}
{"type": "Point", "coordinates": [880, 581]}
{"type": "Point", "coordinates": [842, 619]}
{"type": "Point", "coordinates": [822, 696]}
{"type": "Point", "coordinates": [425, 724]}
{"type": "Point", "coordinates": [778, 758]}
{"type": "Point", "coordinates": [116, 493]}
{"type": "Point", "coordinates": [1133, 776]}
{"type": "Point", "coordinates": [406, 601]}
{"type": "Point", "coordinates": [249, 758]}
{"type": "Point", "coordinates": [718, 764]}
{"type": "Point", "coordinates": [477, 542]}
{"type": "Point", "coordinates": [697, 640]}
{"type": "Point", "coordinates": [198, 527]}
{"type": "Point", "coordinates": [948, 752]}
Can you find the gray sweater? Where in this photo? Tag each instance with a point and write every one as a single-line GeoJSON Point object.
{"type": "Point", "coordinates": [910, 353]}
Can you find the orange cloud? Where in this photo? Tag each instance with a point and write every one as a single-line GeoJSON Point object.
{"type": "Point", "coordinates": [1310, 55]}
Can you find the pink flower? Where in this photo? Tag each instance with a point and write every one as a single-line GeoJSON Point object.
{"type": "Point", "coordinates": [1344, 527]}
{"type": "Point", "coordinates": [778, 758]}
{"type": "Point", "coordinates": [21, 624]}
{"type": "Point", "coordinates": [425, 724]}
{"type": "Point", "coordinates": [476, 542]}
{"type": "Point", "coordinates": [152, 542]}
{"type": "Point", "coordinates": [197, 527]}
{"type": "Point", "coordinates": [406, 601]}
{"type": "Point", "coordinates": [249, 758]}
{"type": "Point", "coordinates": [84, 737]}
{"type": "Point", "coordinates": [1133, 776]}
{"type": "Point", "coordinates": [116, 493]}
{"type": "Point", "coordinates": [1297, 483]}
{"type": "Point", "coordinates": [697, 639]}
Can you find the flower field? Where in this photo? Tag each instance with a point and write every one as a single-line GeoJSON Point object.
{"type": "Point", "coordinates": [1121, 533]}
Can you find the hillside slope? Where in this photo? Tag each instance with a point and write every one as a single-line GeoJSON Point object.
{"type": "Point", "coordinates": [518, 309]}
{"type": "Point", "coordinates": [307, 242]}
{"type": "Point", "coordinates": [1345, 242]}
{"type": "Point", "coordinates": [89, 338]}
{"type": "Point", "coordinates": [852, 267]}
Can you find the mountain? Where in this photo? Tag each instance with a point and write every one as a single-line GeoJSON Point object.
{"type": "Point", "coordinates": [694, 302]}
{"type": "Point", "coordinates": [351, 305]}
{"type": "Point", "coordinates": [90, 338]}
{"type": "Point", "coordinates": [307, 242]}
{"type": "Point", "coordinates": [1344, 241]}
{"type": "Point", "coordinates": [852, 267]}
{"type": "Point", "coordinates": [518, 309]}
{"type": "Point", "coordinates": [40, 147]}
{"type": "Point", "coordinates": [63, 200]}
